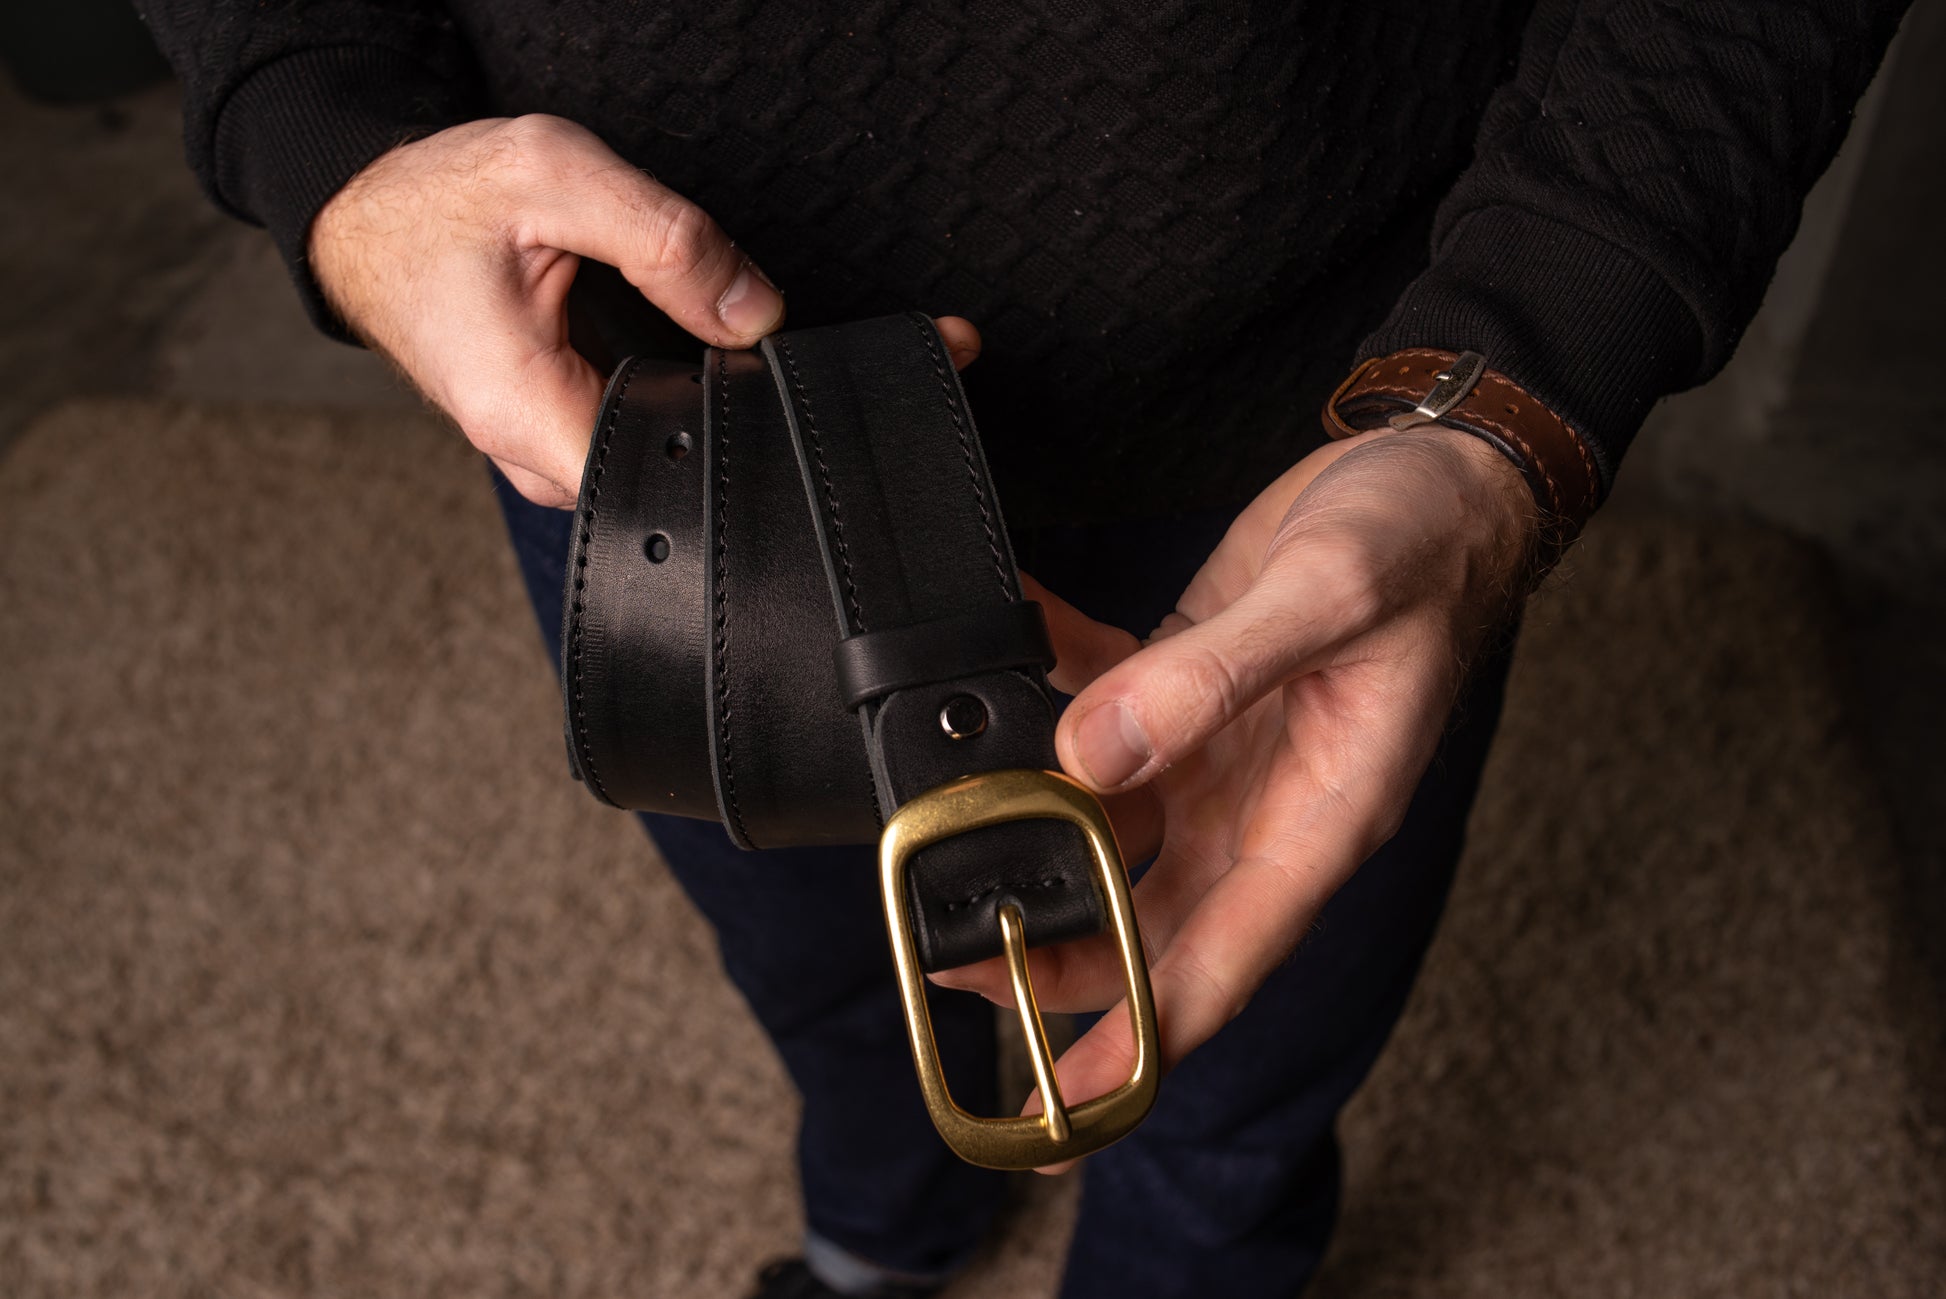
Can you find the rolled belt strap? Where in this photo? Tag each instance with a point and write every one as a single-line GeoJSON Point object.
{"type": "Point", "coordinates": [792, 606]}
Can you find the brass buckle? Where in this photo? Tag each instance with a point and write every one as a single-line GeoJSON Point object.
{"type": "Point", "coordinates": [1059, 1132]}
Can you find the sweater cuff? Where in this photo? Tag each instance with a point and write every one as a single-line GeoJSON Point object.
{"type": "Point", "coordinates": [1590, 331]}
{"type": "Point", "coordinates": [299, 128]}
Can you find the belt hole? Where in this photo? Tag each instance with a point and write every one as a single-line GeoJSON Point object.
{"type": "Point", "coordinates": [963, 717]}
{"type": "Point", "coordinates": [695, 376]}
{"type": "Point", "coordinates": [656, 547]}
{"type": "Point", "coordinates": [678, 445]}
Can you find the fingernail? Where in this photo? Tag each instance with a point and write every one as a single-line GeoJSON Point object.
{"type": "Point", "coordinates": [751, 306]}
{"type": "Point", "coordinates": [1111, 745]}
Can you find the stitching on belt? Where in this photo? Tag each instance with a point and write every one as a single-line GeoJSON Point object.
{"type": "Point", "coordinates": [581, 563]}
{"type": "Point", "coordinates": [931, 336]}
{"type": "Point", "coordinates": [722, 590]}
{"type": "Point", "coordinates": [824, 477]}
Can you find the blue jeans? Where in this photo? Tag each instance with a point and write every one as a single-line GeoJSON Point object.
{"type": "Point", "coordinates": [1231, 1186]}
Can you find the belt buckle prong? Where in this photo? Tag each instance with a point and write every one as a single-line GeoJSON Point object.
{"type": "Point", "coordinates": [1059, 1132]}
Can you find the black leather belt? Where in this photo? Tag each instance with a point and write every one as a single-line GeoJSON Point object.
{"type": "Point", "coordinates": [792, 607]}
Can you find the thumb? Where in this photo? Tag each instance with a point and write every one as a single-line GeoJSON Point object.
{"type": "Point", "coordinates": [1164, 702]}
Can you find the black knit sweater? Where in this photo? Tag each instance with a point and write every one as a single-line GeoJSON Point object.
{"type": "Point", "coordinates": [1176, 223]}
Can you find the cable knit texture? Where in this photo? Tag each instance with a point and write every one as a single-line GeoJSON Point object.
{"type": "Point", "coordinates": [1174, 222]}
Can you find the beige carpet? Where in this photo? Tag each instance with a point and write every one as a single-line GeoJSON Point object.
{"type": "Point", "coordinates": [318, 977]}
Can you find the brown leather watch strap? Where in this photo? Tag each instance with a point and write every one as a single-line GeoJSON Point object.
{"type": "Point", "coordinates": [1425, 386]}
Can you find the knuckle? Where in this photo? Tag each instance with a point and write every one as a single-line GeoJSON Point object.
{"type": "Point", "coordinates": [682, 239]}
{"type": "Point", "coordinates": [531, 149]}
{"type": "Point", "coordinates": [1114, 1054]}
{"type": "Point", "coordinates": [539, 133]}
{"type": "Point", "coordinates": [1208, 684]}
{"type": "Point", "coordinates": [1221, 995]}
{"type": "Point", "coordinates": [1274, 637]}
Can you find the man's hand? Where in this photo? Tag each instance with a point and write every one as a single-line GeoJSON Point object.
{"type": "Point", "coordinates": [1268, 737]}
{"type": "Point", "coordinates": [453, 255]}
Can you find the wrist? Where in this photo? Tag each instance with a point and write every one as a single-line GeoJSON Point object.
{"type": "Point", "coordinates": [300, 126]}
{"type": "Point", "coordinates": [360, 249]}
{"type": "Point", "coordinates": [1502, 527]}
{"type": "Point", "coordinates": [1421, 388]}
{"type": "Point", "coordinates": [367, 212]}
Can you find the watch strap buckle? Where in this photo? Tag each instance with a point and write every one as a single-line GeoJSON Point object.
{"type": "Point", "coordinates": [1451, 386]}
